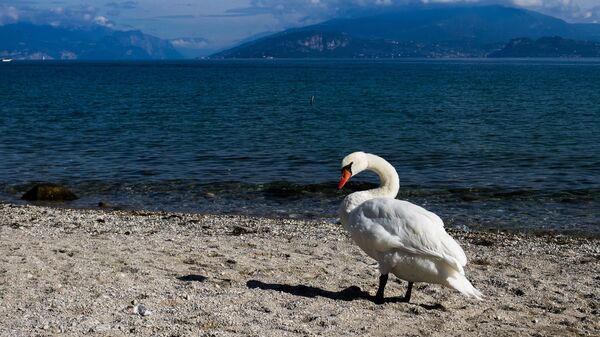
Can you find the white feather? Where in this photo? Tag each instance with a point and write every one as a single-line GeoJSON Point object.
{"type": "Point", "coordinates": [406, 239]}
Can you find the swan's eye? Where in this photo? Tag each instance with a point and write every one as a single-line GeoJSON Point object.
{"type": "Point", "coordinates": [347, 168]}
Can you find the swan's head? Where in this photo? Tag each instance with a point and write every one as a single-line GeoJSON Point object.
{"type": "Point", "coordinates": [352, 164]}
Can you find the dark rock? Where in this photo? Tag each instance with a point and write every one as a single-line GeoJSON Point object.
{"type": "Point", "coordinates": [484, 242]}
{"type": "Point", "coordinates": [518, 292]}
{"type": "Point", "coordinates": [102, 204]}
{"type": "Point", "coordinates": [415, 310]}
{"type": "Point", "coordinates": [239, 230]}
{"type": "Point", "coordinates": [481, 262]}
{"type": "Point", "coordinates": [49, 192]}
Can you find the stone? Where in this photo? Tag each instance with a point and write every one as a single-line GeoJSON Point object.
{"type": "Point", "coordinates": [49, 192]}
{"type": "Point", "coordinates": [239, 230]}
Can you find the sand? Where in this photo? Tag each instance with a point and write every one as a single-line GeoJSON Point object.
{"type": "Point", "coordinates": [79, 272]}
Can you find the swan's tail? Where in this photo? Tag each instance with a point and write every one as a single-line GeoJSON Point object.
{"type": "Point", "coordinates": [460, 283]}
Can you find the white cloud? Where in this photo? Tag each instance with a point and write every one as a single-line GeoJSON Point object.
{"type": "Point", "coordinates": [190, 43]}
{"type": "Point", "coordinates": [528, 3]}
{"type": "Point", "coordinates": [122, 4]}
{"type": "Point", "coordinates": [103, 21]}
{"type": "Point", "coordinates": [55, 16]}
{"type": "Point", "coordinates": [8, 14]}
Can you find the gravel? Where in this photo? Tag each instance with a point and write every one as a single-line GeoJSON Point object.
{"type": "Point", "coordinates": [81, 272]}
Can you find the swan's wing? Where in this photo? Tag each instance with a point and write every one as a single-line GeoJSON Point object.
{"type": "Point", "coordinates": [430, 215]}
{"type": "Point", "coordinates": [395, 224]}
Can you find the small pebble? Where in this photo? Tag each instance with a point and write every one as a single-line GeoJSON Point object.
{"type": "Point", "coordinates": [139, 309]}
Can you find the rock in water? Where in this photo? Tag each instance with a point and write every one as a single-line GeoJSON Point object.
{"type": "Point", "coordinates": [49, 192]}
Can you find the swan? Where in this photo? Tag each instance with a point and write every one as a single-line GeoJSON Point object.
{"type": "Point", "coordinates": [405, 239]}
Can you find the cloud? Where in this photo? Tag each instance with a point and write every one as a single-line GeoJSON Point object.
{"type": "Point", "coordinates": [55, 16]}
{"type": "Point", "coordinates": [294, 12]}
{"type": "Point", "coordinates": [565, 9]}
{"type": "Point", "coordinates": [115, 8]}
{"type": "Point", "coordinates": [103, 21]}
{"type": "Point", "coordinates": [174, 17]}
{"type": "Point", "coordinates": [190, 43]}
{"type": "Point", "coordinates": [591, 15]}
{"type": "Point", "coordinates": [20, 2]}
{"type": "Point", "coordinates": [8, 14]}
{"type": "Point", "coordinates": [122, 5]}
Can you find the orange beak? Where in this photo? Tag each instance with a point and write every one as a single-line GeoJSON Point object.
{"type": "Point", "coordinates": [346, 174]}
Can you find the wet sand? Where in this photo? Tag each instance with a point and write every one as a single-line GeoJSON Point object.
{"type": "Point", "coordinates": [78, 272]}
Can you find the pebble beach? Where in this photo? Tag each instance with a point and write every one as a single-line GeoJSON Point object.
{"type": "Point", "coordinates": [74, 272]}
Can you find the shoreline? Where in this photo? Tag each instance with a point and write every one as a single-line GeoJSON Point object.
{"type": "Point", "coordinates": [477, 228]}
{"type": "Point", "coordinates": [76, 271]}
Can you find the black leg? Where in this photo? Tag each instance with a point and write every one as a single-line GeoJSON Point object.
{"type": "Point", "coordinates": [408, 291]}
{"type": "Point", "coordinates": [382, 281]}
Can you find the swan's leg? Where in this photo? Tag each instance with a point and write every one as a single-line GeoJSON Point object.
{"type": "Point", "coordinates": [408, 291]}
{"type": "Point", "coordinates": [382, 281]}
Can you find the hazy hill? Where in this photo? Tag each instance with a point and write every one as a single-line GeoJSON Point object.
{"type": "Point", "coordinates": [28, 41]}
{"type": "Point", "coordinates": [425, 31]}
{"type": "Point", "coordinates": [548, 47]}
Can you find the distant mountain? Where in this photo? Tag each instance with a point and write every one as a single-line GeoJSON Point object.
{"type": "Point", "coordinates": [548, 47]}
{"type": "Point", "coordinates": [299, 44]}
{"type": "Point", "coordinates": [28, 41]}
{"type": "Point", "coordinates": [424, 31]}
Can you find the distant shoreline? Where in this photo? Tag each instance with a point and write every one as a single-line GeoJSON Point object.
{"type": "Point", "coordinates": [473, 228]}
{"type": "Point", "coordinates": [309, 59]}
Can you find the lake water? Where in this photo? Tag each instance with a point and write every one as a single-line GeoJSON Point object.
{"type": "Point", "coordinates": [493, 144]}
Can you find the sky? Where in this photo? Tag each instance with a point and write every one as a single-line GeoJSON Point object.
{"type": "Point", "coordinates": [203, 26]}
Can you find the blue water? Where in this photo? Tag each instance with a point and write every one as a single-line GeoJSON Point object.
{"type": "Point", "coordinates": [510, 145]}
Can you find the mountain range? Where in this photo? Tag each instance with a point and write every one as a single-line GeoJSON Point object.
{"type": "Point", "coordinates": [430, 31]}
{"type": "Point", "coordinates": [28, 41]}
{"type": "Point", "coordinates": [423, 31]}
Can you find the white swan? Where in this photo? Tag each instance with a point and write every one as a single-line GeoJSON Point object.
{"type": "Point", "coordinates": [407, 240]}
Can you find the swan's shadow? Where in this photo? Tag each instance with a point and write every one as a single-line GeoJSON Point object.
{"type": "Point", "coordinates": [349, 294]}
{"type": "Point", "coordinates": [192, 278]}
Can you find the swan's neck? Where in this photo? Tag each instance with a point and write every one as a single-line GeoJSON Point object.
{"type": "Point", "coordinates": [388, 188]}
{"type": "Point", "coordinates": [388, 177]}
